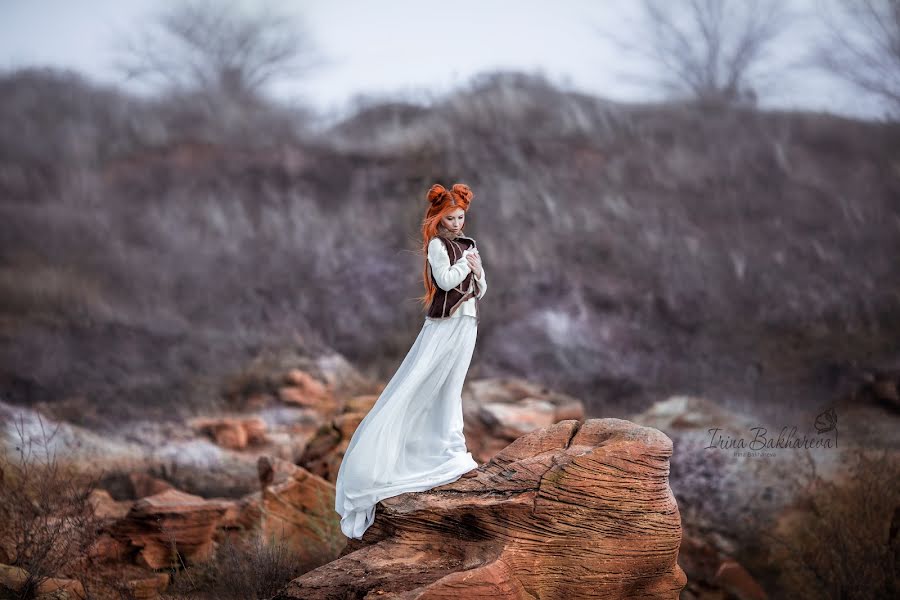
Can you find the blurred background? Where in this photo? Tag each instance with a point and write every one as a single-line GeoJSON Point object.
{"type": "Point", "coordinates": [695, 199]}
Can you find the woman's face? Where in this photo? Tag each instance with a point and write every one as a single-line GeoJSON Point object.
{"type": "Point", "coordinates": [455, 220]}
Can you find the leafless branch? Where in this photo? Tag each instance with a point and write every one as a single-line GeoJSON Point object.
{"type": "Point", "coordinates": [46, 517]}
{"type": "Point", "coordinates": [862, 46]}
{"type": "Point", "coordinates": [707, 49]}
{"type": "Point", "coordinates": [208, 46]}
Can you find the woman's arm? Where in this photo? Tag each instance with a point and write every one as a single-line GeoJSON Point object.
{"type": "Point", "coordinates": [475, 263]}
{"type": "Point", "coordinates": [482, 283]}
{"type": "Point", "coordinates": [447, 276]}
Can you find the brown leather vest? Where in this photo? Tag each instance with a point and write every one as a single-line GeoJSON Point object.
{"type": "Point", "coordinates": [445, 303]}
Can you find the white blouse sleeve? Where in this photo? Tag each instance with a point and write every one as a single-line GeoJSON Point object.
{"type": "Point", "coordinates": [482, 283]}
{"type": "Point", "coordinates": [447, 276]}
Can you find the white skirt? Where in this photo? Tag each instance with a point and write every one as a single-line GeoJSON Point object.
{"type": "Point", "coordinates": [412, 438]}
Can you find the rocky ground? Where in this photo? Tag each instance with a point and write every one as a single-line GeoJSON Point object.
{"type": "Point", "coordinates": [563, 505]}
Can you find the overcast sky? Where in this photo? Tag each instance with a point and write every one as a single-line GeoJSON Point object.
{"type": "Point", "coordinates": [388, 46]}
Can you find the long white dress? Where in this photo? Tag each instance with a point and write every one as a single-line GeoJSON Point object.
{"type": "Point", "coordinates": [412, 439]}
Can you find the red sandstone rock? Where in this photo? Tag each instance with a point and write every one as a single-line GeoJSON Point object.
{"type": "Point", "coordinates": [108, 549]}
{"type": "Point", "coordinates": [569, 511]}
{"type": "Point", "coordinates": [306, 383]}
{"type": "Point", "coordinates": [324, 405]}
{"type": "Point", "coordinates": [146, 485]}
{"type": "Point", "coordinates": [233, 433]}
{"type": "Point", "coordinates": [250, 511]}
{"type": "Point", "coordinates": [228, 433]}
{"type": "Point", "coordinates": [304, 390]}
{"type": "Point", "coordinates": [171, 520]}
{"type": "Point", "coordinates": [298, 508]}
{"type": "Point", "coordinates": [105, 507]}
{"type": "Point", "coordinates": [256, 430]}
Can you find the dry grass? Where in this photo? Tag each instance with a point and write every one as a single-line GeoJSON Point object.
{"type": "Point", "coordinates": [46, 519]}
{"type": "Point", "coordinates": [239, 570]}
{"type": "Point", "coordinates": [844, 541]}
{"type": "Point", "coordinates": [250, 564]}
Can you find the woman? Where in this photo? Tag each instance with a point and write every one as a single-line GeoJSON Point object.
{"type": "Point", "coordinates": [412, 439]}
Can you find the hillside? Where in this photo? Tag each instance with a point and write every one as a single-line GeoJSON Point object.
{"type": "Point", "coordinates": [151, 250]}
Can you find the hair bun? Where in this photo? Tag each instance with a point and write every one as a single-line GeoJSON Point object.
{"type": "Point", "coordinates": [463, 192]}
{"type": "Point", "coordinates": [460, 193]}
{"type": "Point", "coordinates": [436, 192]}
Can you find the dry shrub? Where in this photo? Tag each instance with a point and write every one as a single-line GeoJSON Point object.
{"type": "Point", "coordinates": [844, 540]}
{"type": "Point", "coordinates": [47, 523]}
{"type": "Point", "coordinates": [240, 570]}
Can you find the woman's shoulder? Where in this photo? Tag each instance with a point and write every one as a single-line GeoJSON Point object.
{"type": "Point", "coordinates": [436, 245]}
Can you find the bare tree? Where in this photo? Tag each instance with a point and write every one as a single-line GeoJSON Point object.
{"type": "Point", "coordinates": [217, 47]}
{"type": "Point", "coordinates": [862, 46]}
{"type": "Point", "coordinates": [47, 521]}
{"type": "Point", "coordinates": [708, 50]}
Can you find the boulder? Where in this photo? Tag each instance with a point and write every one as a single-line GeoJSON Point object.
{"type": "Point", "coordinates": [105, 507]}
{"type": "Point", "coordinates": [233, 433]}
{"type": "Point", "coordinates": [144, 484]}
{"type": "Point", "coordinates": [297, 507]}
{"type": "Point", "coordinates": [302, 389]}
{"type": "Point", "coordinates": [170, 527]}
{"type": "Point", "coordinates": [573, 510]}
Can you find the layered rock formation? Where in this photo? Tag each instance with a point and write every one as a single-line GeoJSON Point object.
{"type": "Point", "coordinates": [297, 507]}
{"type": "Point", "coordinates": [569, 509]}
{"type": "Point", "coordinates": [158, 526]}
{"type": "Point", "coordinates": [573, 510]}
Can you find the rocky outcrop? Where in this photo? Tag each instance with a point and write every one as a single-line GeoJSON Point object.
{"type": "Point", "coordinates": [158, 526]}
{"type": "Point", "coordinates": [573, 510]}
{"type": "Point", "coordinates": [297, 507]}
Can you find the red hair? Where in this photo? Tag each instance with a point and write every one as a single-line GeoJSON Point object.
{"type": "Point", "coordinates": [441, 202]}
